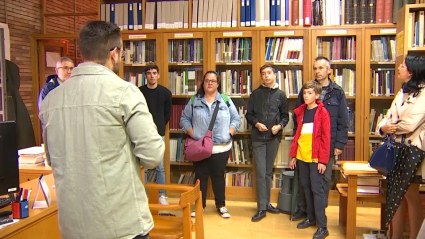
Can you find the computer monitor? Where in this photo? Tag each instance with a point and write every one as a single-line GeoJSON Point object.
{"type": "Point", "coordinates": [9, 166]}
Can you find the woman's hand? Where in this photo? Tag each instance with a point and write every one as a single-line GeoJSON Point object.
{"type": "Point", "coordinates": [190, 132]}
{"type": "Point", "coordinates": [389, 128]}
{"type": "Point", "coordinates": [293, 163]}
{"type": "Point", "coordinates": [231, 131]}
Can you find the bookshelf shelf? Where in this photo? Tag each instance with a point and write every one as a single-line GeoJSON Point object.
{"type": "Point", "coordinates": [183, 64]}
{"type": "Point", "coordinates": [181, 164]}
{"type": "Point", "coordinates": [382, 62]}
{"type": "Point", "coordinates": [350, 97]}
{"type": "Point", "coordinates": [343, 62]}
{"type": "Point", "coordinates": [239, 165]}
{"type": "Point", "coordinates": [351, 135]}
{"type": "Point", "coordinates": [417, 48]}
{"type": "Point", "coordinates": [382, 97]}
{"type": "Point", "coordinates": [374, 136]}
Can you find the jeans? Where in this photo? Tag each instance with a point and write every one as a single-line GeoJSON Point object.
{"type": "Point", "coordinates": [160, 175]}
{"type": "Point", "coordinates": [264, 155]}
{"type": "Point", "coordinates": [214, 167]}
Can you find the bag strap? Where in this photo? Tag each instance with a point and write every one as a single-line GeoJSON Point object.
{"type": "Point", "coordinates": [214, 116]}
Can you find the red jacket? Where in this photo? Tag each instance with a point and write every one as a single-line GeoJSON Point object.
{"type": "Point", "coordinates": [321, 133]}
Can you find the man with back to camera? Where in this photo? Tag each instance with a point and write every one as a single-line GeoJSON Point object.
{"type": "Point", "coordinates": [159, 102]}
{"type": "Point", "coordinates": [63, 71]}
{"type": "Point", "coordinates": [98, 132]}
{"type": "Point", "coordinates": [333, 98]}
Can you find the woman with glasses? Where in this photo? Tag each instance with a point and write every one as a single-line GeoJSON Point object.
{"type": "Point", "coordinates": [405, 121]}
{"type": "Point", "coordinates": [195, 121]}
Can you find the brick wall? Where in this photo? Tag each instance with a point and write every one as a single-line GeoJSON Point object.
{"type": "Point", "coordinates": [23, 19]}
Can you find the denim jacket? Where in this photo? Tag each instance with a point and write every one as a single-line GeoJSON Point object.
{"type": "Point", "coordinates": [199, 119]}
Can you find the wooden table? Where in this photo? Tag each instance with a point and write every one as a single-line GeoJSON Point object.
{"type": "Point", "coordinates": [41, 223]}
{"type": "Point", "coordinates": [27, 173]}
{"type": "Point", "coordinates": [352, 197]}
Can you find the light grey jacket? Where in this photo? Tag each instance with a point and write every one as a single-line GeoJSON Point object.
{"type": "Point", "coordinates": [98, 132]}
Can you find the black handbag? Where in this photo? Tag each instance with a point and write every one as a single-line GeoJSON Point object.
{"type": "Point", "coordinates": [384, 156]}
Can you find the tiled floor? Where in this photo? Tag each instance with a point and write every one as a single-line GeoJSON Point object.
{"type": "Point", "coordinates": [277, 225]}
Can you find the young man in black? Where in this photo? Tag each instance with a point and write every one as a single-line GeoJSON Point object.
{"type": "Point", "coordinates": [159, 102]}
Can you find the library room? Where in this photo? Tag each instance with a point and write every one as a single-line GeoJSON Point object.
{"type": "Point", "coordinates": [215, 119]}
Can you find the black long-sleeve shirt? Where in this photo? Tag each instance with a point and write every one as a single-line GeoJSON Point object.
{"type": "Point", "coordinates": [159, 103]}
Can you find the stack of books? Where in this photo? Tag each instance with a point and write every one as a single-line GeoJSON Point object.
{"type": "Point", "coordinates": [31, 156]}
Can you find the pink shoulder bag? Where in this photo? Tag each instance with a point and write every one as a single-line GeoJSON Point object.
{"type": "Point", "coordinates": [197, 150]}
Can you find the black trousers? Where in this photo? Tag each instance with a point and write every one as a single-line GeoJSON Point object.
{"type": "Point", "coordinates": [214, 167]}
{"type": "Point", "coordinates": [142, 237]}
{"type": "Point", "coordinates": [327, 177]}
{"type": "Point", "coordinates": [313, 185]}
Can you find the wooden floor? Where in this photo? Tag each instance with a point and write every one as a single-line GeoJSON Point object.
{"type": "Point", "coordinates": [277, 225]}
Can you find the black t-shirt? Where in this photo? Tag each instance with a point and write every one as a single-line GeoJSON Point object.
{"type": "Point", "coordinates": [159, 104]}
{"type": "Point", "coordinates": [309, 115]}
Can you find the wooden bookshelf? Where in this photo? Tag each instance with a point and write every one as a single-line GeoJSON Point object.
{"type": "Point", "coordinates": [372, 100]}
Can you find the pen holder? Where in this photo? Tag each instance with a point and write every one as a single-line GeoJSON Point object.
{"type": "Point", "coordinates": [20, 209]}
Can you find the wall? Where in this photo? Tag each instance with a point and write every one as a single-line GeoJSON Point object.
{"type": "Point", "coordinates": [23, 19]}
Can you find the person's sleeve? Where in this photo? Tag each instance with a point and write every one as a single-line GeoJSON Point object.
{"type": "Point", "coordinates": [148, 144]}
{"type": "Point", "coordinates": [235, 119]}
{"type": "Point", "coordinates": [186, 118]}
{"type": "Point", "coordinates": [325, 138]}
{"type": "Point", "coordinates": [284, 115]}
{"type": "Point", "coordinates": [300, 101]}
{"type": "Point", "coordinates": [415, 119]}
{"type": "Point", "coordinates": [342, 124]}
{"type": "Point", "coordinates": [250, 113]}
{"type": "Point", "coordinates": [168, 106]}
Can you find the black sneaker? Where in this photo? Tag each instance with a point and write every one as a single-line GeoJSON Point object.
{"type": "Point", "coordinates": [306, 223]}
{"type": "Point", "coordinates": [321, 233]}
{"type": "Point", "coordinates": [298, 215]}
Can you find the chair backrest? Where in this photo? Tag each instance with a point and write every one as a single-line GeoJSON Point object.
{"type": "Point", "coordinates": [186, 199]}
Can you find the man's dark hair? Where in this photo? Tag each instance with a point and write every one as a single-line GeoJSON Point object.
{"type": "Point", "coordinates": [267, 66]}
{"type": "Point", "coordinates": [97, 39]}
{"type": "Point", "coordinates": [151, 67]}
{"type": "Point", "coordinates": [415, 64]}
{"type": "Point", "coordinates": [323, 58]}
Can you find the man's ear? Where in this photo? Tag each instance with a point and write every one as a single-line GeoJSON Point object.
{"type": "Point", "coordinates": [57, 70]}
{"type": "Point", "coordinates": [114, 55]}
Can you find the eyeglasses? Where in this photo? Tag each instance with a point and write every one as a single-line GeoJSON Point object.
{"type": "Point", "coordinates": [119, 49]}
{"type": "Point", "coordinates": [210, 81]}
{"type": "Point", "coordinates": [66, 68]}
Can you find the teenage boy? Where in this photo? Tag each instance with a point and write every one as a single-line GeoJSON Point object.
{"type": "Point", "coordinates": [310, 149]}
{"type": "Point", "coordinates": [268, 114]}
{"type": "Point", "coordinates": [159, 102]}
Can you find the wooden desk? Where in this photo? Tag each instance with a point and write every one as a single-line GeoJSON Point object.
{"type": "Point", "coordinates": [28, 173]}
{"type": "Point", "coordinates": [41, 223]}
{"type": "Point", "coordinates": [352, 196]}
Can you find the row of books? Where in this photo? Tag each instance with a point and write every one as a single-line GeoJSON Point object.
{"type": "Point", "coordinates": [376, 116]}
{"type": "Point", "coordinates": [337, 48]}
{"type": "Point", "coordinates": [140, 52]}
{"type": "Point", "coordinates": [382, 82]}
{"type": "Point", "coordinates": [235, 82]}
{"type": "Point", "coordinates": [285, 49]}
{"type": "Point", "coordinates": [172, 14]}
{"type": "Point", "coordinates": [416, 28]}
{"type": "Point", "coordinates": [383, 49]}
{"type": "Point", "coordinates": [184, 82]}
{"type": "Point", "coordinates": [346, 78]}
{"type": "Point", "coordinates": [233, 50]}
{"type": "Point", "coordinates": [185, 51]}
{"type": "Point", "coordinates": [240, 178]}
{"type": "Point", "coordinates": [214, 13]}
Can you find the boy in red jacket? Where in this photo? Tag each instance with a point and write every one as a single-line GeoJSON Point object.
{"type": "Point", "coordinates": [310, 149]}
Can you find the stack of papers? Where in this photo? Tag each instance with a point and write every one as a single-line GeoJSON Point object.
{"type": "Point", "coordinates": [31, 156]}
{"type": "Point", "coordinates": [358, 167]}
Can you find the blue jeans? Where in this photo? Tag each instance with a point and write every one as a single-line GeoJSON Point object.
{"type": "Point", "coordinates": [160, 175]}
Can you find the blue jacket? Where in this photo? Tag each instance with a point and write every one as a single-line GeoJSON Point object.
{"type": "Point", "coordinates": [336, 104]}
{"type": "Point", "coordinates": [51, 83]}
{"type": "Point", "coordinates": [199, 119]}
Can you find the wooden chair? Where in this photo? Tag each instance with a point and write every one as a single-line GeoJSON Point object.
{"type": "Point", "coordinates": [174, 227]}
